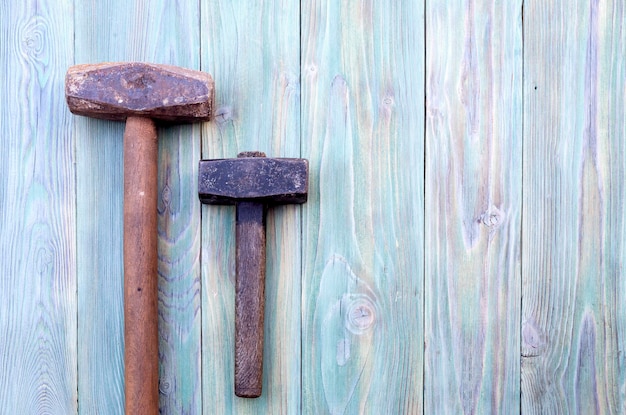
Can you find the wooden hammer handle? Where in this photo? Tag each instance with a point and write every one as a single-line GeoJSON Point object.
{"type": "Point", "coordinates": [141, 336]}
{"type": "Point", "coordinates": [249, 299]}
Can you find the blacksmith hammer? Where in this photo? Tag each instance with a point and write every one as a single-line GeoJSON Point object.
{"type": "Point", "coordinates": [140, 93]}
{"type": "Point", "coordinates": [252, 182]}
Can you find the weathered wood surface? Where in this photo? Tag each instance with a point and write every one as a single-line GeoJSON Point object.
{"type": "Point", "coordinates": [161, 32]}
{"type": "Point", "coordinates": [573, 313]}
{"type": "Point", "coordinates": [252, 50]}
{"type": "Point", "coordinates": [473, 206]}
{"type": "Point", "coordinates": [37, 212]}
{"type": "Point", "coordinates": [362, 130]}
{"type": "Point", "coordinates": [521, 231]}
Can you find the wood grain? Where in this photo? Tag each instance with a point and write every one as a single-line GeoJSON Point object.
{"type": "Point", "coordinates": [160, 32]}
{"type": "Point", "coordinates": [363, 132]}
{"type": "Point", "coordinates": [252, 50]}
{"type": "Point", "coordinates": [573, 315]}
{"type": "Point", "coordinates": [37, 212]}
{"type": "Point", "coordinates": [473, 206]}
{"type": "Point", "coordinates": [353, 324]}
{"type": "Point", "coordinates": [249, 298]}
{"type": "Point", "coordinates": [141, 332]}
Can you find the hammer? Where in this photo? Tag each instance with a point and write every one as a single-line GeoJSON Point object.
{"type": "Point", "coordinates": [139, 93]}
{"type": "Point", "coordinates": [251, 182]}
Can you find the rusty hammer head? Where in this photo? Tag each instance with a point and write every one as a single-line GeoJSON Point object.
{"type": "Point", "coordinates": [115, 91]}
{"type": "Point", "coordinates": [253, 178]}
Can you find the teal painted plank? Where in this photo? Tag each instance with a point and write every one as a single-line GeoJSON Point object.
{"type": "Point", "coordinates": [179, 272]}
{"type": "Point", "coordinates": [573, 315]}
{"type": "Point", "coordinates": [37, 212]}
{"type": "Point", "coordinates": [161, 32]}
{"type": "Point", "coordinates": [363, 131]}
{"type": "Point", "coordinates": [473, 206]}
{"type": "Point", "coordinates": [252, 49]}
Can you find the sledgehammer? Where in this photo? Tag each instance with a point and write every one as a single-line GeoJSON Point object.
{"type": "Point", "coordinates": [140, 93]}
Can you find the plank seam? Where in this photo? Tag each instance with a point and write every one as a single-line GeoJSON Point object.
{"type": "Point", "coordinates": [75, 157]}
{"type": "Point", "coordinates": [425, 43]}
{"type": "Point", "coordinates": [521, 223]}
{"type": "Point", "coordinates": [201, 302]}
{"type": "Point", "coordinates": [302, 253]}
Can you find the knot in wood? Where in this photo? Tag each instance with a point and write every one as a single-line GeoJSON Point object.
{"type": "Point", "coordinates": [360, 315]}
{"type": "Point", "coordinates": [165, 386]}
{"type": "Point", "coordinates": [223, 114]}
{"type": "Point", "coordinates": [34, 38]}
{"type": "Point", "coordinates": [492, 218]}
{"type": "Point", "coordinates": [533, 340]}
{"type": "Point", "coordinates": [166, 195]}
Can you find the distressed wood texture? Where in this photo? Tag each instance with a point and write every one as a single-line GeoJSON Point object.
{"type": "Point", "coordinates": [463, 244]}
{"type": "Point", "coordinates": [473, 206]}
{"type": "Point", "coordinates": [362, 130]}
{"type": "Point", "coordinates": [252, 49]}
{"type": "Point", "coordinates": [160, 32]}
{"type": "Point", "coordinates": [37, 212]}
{"type": "Point", "coordinates": [573, 314]}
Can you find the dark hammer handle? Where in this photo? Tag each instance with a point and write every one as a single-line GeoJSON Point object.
{"type": "Point", "coordinates": [141, 337]}
{"type": "Point", "coordinates": [249, 299]}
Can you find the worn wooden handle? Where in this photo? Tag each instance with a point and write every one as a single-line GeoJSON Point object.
{"type": "Point", "coordinates": [249, 299]}
{"type": "Point", "coordinates": [141, 353]}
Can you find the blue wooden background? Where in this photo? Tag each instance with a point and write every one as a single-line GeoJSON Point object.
{"type": "Point", "coordinates": [462, 250]}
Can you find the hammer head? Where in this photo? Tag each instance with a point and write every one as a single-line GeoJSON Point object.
{"type": "Point", "coordinates": [271, 181]}
{"type": "Point", "coordinates": [115, 91]}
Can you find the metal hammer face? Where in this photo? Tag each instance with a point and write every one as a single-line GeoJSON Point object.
{"type": "Point", "coordinates": [116, 91]}
{"type": "Point", "coordinates": [251, 182]}
{"type": "Point", "coordinates": [253, 178]}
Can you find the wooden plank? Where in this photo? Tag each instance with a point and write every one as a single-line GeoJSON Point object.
{"type": "Point", "coordinates": [252, 49]}
{"type": "Point", "coordinates": [161, 32]}
{"type": "Point", "coordinates": [473, 206]}
{"type": "Point", "coordinates": [37, 212]}
{"type": "Point", "coordinates": [573, 315]}
{"type": "Point", "coordinates": [363, 131]}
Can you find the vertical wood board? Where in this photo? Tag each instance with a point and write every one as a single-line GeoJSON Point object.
{"type": "Point", "coordinates": [362, 129]}
{"type": "Point", "coordinates": [37, 212]}
{"type": "Point", "coordinates": [573, 315]}
{"type": "Point", "coordinates": [473, 206]}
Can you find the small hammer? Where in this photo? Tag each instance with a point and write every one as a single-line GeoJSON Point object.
{"type": "Point", "coordinates": [139, 93]}
{"type": "Point", "coordinates": [252, 182]}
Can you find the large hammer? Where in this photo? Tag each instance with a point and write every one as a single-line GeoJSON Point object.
{"type": "Point", "coordinates": [252, 183]}
{"type": "Point", "coordinates": [139, 93]}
